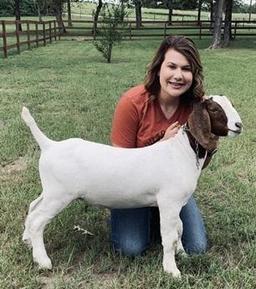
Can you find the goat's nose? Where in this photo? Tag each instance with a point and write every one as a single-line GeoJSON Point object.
{"type": "Point", "coordinates": [239, 125]}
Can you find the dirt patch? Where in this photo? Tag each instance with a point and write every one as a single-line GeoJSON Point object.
{"type": "Point", "coordinates": [12, 168]}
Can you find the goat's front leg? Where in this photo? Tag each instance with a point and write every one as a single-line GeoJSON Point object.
{"type": "Point", "coordinates": [180, 248]}
{"type": "Point", "coordinates": [169, 221]}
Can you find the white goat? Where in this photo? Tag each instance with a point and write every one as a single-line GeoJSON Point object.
{"type": "Point", "coordinates": [164, 174]}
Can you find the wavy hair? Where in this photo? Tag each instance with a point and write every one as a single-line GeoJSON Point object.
{"type": "Point", "coordinates": [186, 47]}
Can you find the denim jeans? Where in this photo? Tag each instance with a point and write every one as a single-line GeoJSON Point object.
{"type": "Point", "coordinates": [131, 229]}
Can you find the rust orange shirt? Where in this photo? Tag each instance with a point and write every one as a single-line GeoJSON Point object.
{"type": "Point", "coordinates": [138, 120]}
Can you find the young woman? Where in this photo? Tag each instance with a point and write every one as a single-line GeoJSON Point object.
{"type": "Point", "coordinates": [152, 112]}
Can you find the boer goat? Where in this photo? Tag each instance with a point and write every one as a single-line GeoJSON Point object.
{"type": "Point", "coordinates": [164, 174]}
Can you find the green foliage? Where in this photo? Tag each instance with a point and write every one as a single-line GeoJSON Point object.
{"type": "Point", "coordinates": [27, 8]}
{"type": "Point", "coordinates": [6, 8]}
{"type": "Point", "coordinates": [109, 33]}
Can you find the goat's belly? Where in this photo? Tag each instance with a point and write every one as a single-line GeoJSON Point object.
{"type": "Point", "coordinates": [121, 199]}
{"type": "Point", "coordinates": [115, 183]}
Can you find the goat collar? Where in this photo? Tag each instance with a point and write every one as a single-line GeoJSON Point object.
{"type": "Point", "coordinates": [199, 150]}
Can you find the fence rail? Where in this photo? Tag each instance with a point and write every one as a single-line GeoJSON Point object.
{"type": "Point", "coordinates": [163, 28]}
{"type": "Point", "coordinates": [32, 32]}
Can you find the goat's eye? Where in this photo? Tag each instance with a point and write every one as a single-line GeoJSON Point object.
{"type": "Point", "coordinates": [212, 109]}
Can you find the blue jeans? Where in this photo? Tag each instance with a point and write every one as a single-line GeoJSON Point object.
{"type": "Point", "coordinates": [132, 229]}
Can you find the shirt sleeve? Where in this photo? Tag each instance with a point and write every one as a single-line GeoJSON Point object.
{"type": "Point", "coordinates": [125, 124]}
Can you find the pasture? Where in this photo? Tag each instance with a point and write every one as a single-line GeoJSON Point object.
{"type": "Point", "coordinates": [72, 92]}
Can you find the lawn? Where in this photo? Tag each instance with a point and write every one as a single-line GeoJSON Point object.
{"type": "Point", "coordinates": [72, 92]}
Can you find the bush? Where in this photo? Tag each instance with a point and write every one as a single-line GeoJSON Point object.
{"type": "Point", "coordinates": [109, 33]}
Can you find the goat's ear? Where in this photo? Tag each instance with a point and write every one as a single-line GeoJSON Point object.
{"type": "Point", "coordinates": [200, 126]}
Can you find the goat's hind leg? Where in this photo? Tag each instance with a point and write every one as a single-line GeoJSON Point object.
{"type": "Point", "coordinates": [32, 206]}
{"type": "Point", "coordinates": [36, 221]}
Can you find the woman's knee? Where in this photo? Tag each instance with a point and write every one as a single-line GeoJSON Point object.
{"type": "Point", "coordinates": [131, 248]}
{"type": "Point", "coordinates": [197, 247]}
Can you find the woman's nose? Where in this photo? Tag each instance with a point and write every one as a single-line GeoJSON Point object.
{"type": "Point", "coordinates": [178, 74]}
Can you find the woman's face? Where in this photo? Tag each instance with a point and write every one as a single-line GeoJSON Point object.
{"type": "Point", "coordinates": [175, 75]}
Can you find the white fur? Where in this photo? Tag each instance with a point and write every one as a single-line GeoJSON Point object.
{"type": "Point", "coordinates": [164, 174]}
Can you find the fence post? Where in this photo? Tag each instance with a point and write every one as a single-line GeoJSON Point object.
{"type": "Point", "coordinates": [235, 30]}
{"type": "Point", "coordinates": [37, 35]}
{"type": "Point", "coordinates": [165, 29]}
{"type": "Point", "coordinates": [50, 31]}
{"type": "Point", "coordinates": [44, 36]}
{"type": "Point", "coordinates": [4, 39]}
{"type": "Point", "coordinates": [55, 32]}
{"type": "Point", "coordinates": [28, 34]}
{"type": "Point", "coordinates": [17, 35]}
{"type": "Point", "coordinates": [200, 30]}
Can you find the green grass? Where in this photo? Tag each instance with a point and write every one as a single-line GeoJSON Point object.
{"type": "Point", "coordinates": [72, 92]}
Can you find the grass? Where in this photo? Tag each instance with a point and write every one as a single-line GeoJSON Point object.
{"type": "Point", "coordinates": [71, 92]}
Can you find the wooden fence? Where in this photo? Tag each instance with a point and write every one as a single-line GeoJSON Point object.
{"type": "Point", "coordinates": [33, 33]}
{"type": "Point", "coordinates": [189, 28]}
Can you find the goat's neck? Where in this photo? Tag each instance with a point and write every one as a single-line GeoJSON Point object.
{"type": "Point", "coordinates": [200, 151]}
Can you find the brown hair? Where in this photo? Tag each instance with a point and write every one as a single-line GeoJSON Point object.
{"type": "Point", "coordinates": [186, 47]}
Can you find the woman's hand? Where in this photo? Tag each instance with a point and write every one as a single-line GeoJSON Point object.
{"type": "Point", "coordinates": [171, 130]}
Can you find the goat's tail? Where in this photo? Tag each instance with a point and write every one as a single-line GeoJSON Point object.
{"type": "Point", "coordinates": [43, 141]}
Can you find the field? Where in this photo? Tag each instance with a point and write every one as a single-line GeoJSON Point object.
{"type": "Point", "coordinates": [72, 92]}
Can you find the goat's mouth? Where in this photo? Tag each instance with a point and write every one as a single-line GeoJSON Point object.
{"type": "Point", "coordinates": [236, 132]}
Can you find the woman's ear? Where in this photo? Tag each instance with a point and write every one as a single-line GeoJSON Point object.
{"type": "Point", "coordinates": [200, 126]}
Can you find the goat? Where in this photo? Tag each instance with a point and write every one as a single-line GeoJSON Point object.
{"type": "Point", "coordinates": [164, 174]}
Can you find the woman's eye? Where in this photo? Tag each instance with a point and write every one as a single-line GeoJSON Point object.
{"type": "Point", "coordinates": [187, 68]}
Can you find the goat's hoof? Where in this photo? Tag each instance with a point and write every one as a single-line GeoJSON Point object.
{"type": "Point", "coordinates": [26, 240]}
{"type": "Point", "coordinates": [45, 264]}
{"type": "Point", "coordinates": [174, 272]}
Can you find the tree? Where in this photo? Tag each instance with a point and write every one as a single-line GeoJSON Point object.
{"type": "Point", "coordinates": [109, 33]}
{"type": "Point", "coordinates": [227, 24]}
{"type": "Point", "coordinates": [200, 2]}
{"type": "Point", "coordinates": [17, 13]}
{"type": "Point", "coordinates": [216, 42]}
{"type": "Point", "coordinates": [96, 17]}
{"type": "Point", "coordinates": [57, 7]}
{"type": "Point", "coordinates": [138, 14]}
{"type": "Point", "coordinates": [69, 13]}
{"type": "Point", "coordinates": [169, 5]}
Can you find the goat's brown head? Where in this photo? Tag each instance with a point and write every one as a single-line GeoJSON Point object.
{"type": "Point", "coordinates": [212, 118]}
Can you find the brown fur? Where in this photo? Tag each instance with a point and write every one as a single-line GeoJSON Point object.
{"type": "Point", "coordinates": [200, 125]}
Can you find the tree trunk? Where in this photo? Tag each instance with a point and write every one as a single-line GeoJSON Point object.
{"type": "Point", "coordinates": [39, 13]}
{"type": "Point", "coordinates": [250, 10]}
{"type": "Point", "coordinates": [110, 46]}
{"type": "Point", "coordinates": [57, 9]}
{"type": "Point", "coordinates": [96, 17]}
{"type": "Point", "coordinates": [170, 10]}
{"type": "Point", "coordinates": [228, 19]}
{"type": "Point", "coordinates": [17, 13]}
{"type": "Point", "coordinates": [216, 42]}
{"type": "Point", "coordinates": [138, 6]}
{"type": "Point", "coordinates": [212, 14]}
{"type": "Point", "coordinates": [69, 13]}
{"type": "Point", "coordinates": [199, 11]}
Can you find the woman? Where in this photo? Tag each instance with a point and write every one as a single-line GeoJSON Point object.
{"type": "Point", "coordinates": [154, 112]}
